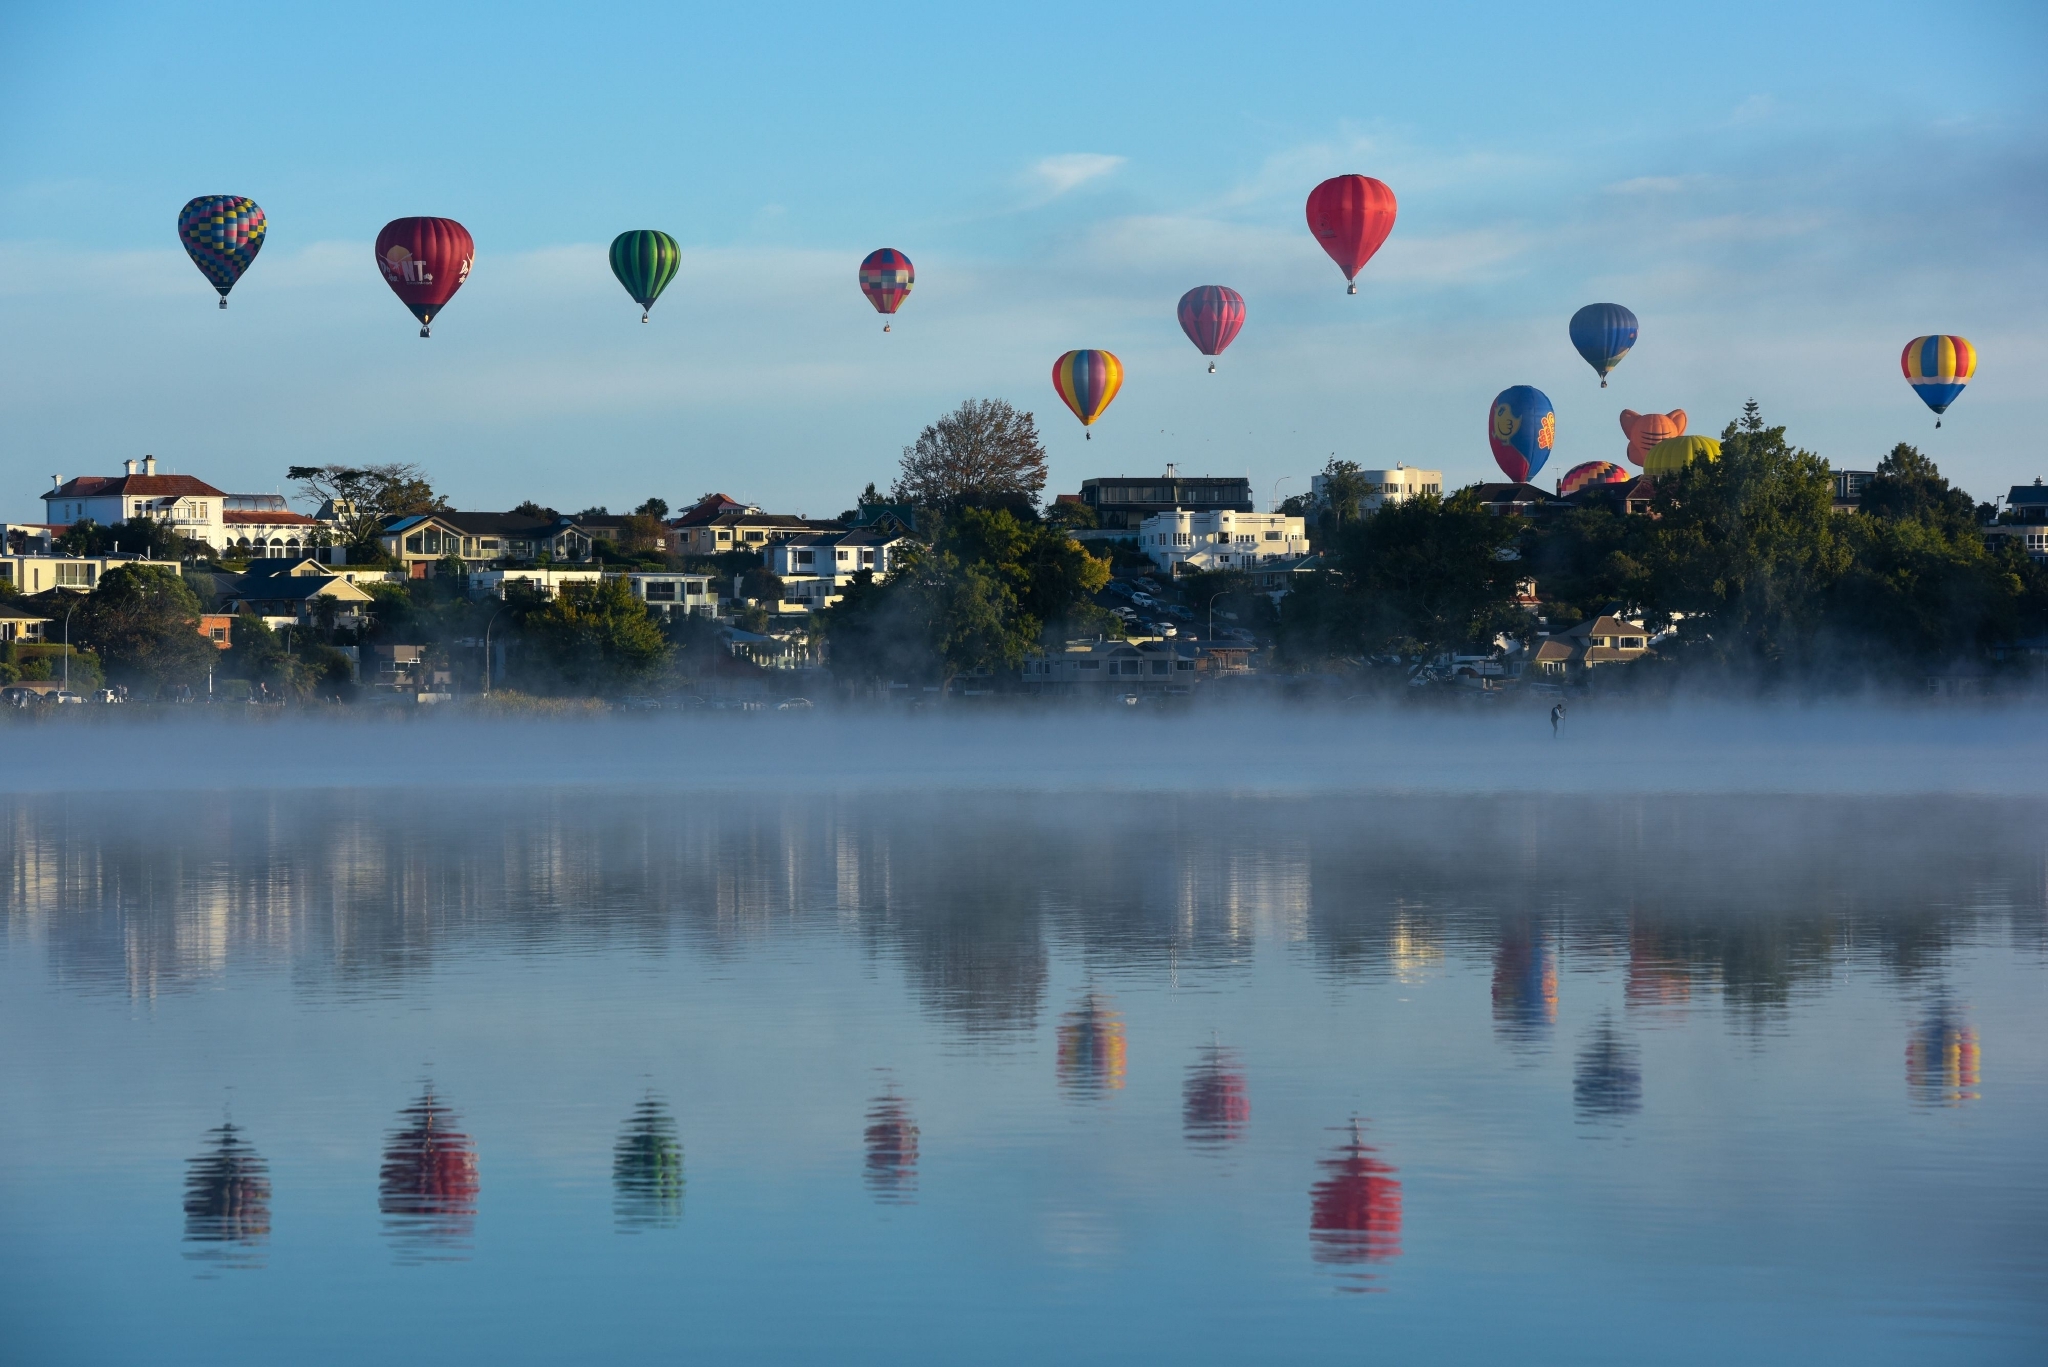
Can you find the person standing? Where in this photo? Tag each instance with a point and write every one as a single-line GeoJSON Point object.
{"type": "Point", "coordinates": [1556, 719]}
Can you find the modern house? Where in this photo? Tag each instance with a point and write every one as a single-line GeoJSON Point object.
{"type": "Point", "coordinates": [2026, 519]}
{"type": "Point", "coordinates": [816, 567]}
{"type": "Point", "coordinates": [1397, 485]}
{"type": "Point", "coordinates": [670, 595]}
{"type": "Point", "coordinates": [1125, 501]}
{"type": "Point", "coordinates": [1602, 640]}
{"type": "Point", "coordinates": [546, 580]}
{"type": "Point", "coordinates": [1517, 500]}
{"type": "Point", "coordinates": [20, 624]}
{"type": "Point", "coordinates": [481, 540]}
{"type": "Point", "coordinates": [1105, 666]}
{"type": "Point", "coordinates": [751, 530]}
{"type": "Point", "coordinates": [1180, 541]}
{"type": "Point", "coordinates": [1849, 487]}
{"type": "Point", "coordinates": [38, 573]}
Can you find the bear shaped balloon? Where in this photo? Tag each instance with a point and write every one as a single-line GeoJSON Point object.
{"type": "Point", "coordinates": [1647, 429]}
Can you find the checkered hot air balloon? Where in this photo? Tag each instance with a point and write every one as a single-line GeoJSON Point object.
{"type": "Point", "coordinates": [1938, 367]}
{"type": "Point", "coordinates": [886, 277]}
{"type": "Point", "coordinates": [222, 234]}
{"type": "Point", "coordinates": [1086, 382]}
{"type": "Point", "coordinates": [1211, 316]}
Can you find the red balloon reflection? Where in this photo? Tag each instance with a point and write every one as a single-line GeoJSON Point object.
{"type": "Point", "coordinates": [891, 1142]}
{"type": "Point", "coordinates": [1214, 1107]}
{"type": "Point", "coordinates": [1356, 1210]}
{"type": "Point", "coordinates": [427, 1189]}
{"type": "Point", "coordinates": [1091, 1048]}
{"type": "Point", "coordinates": [1658, 979]}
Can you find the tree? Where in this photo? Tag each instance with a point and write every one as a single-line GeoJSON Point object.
{"type": "Point", "coordinates": [596, 637]}
{"type": "Point", "coordinates": [540, 510]}
{"type": "Point", "coordinates": [984, 453]}
{"type": "Point", "coordinates": [290, 668]}
{"type": "Point", "coordinates": [144, 623]}
{"type": "Point", "coordinates": [1908, 485]}
{"type": "Point", "coordinates": [1071, 515]}
{"type": "Point", "coordinates": [652, 507]}
{"type": "Point", "coordinates": [362, 498]}
{"type": "Point", "coordinates": [145, 537]}
{"type": "Point", "coordinates": [1345, 489]}
{"type": "Point", "coordinates": [1047, 572]}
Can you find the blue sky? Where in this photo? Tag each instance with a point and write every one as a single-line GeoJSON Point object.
{"type": "Point", "coordinates": [1784, 193]}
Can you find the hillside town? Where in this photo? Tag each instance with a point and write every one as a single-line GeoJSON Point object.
{"type": "Point", "coordinates": [965, 581]}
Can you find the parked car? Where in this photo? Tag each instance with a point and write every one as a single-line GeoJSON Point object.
{"type": "Point", "coordinates": [63, 697]}
{"type": "Point", "coordinates": [107, 695]}
{"type": "Point", "coordinates": [19, 697]}
{"type": "Point", "coordinates": [794, 705]}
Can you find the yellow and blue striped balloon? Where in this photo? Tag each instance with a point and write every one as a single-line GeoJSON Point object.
{"type": "Point", "coordinates": [1087, 381]}
{"type": "Point", "coordinates": [1938, 367]}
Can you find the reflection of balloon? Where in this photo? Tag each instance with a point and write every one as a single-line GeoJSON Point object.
{"type": "Point", "coordinates": [428, 1185]}
{"type": "Point", "coordinates": [1593, 474]}
{"type": "Point", "coordinates": [1524, 984]}
{"type": "Point", "coordinates": [1521, 427]}
{"type": "Point", "coordinates": [1091, 1048]}
{"type": "Point", "coordinates": [1669, 457]}
{"type": "Point", "coordinates": [1351, 216]}
{"type": "Point", "coordinates": [1645, 430]}
{"type": "Point", "coordinates": [1355, 1211]}
{"type": "Point", "coordinates": [1943, 1061]}
{"type": "Point", "coordinates": [1938, 367]}
{"type": "Point", "coordinates": [425, 260]}
{"type": "Point", "coordinates": [1211, 315]}
{"type": "Point", "coordinates": [227, 1192]}
{"type": "Point", "coordinates": [645, 260]}
{"type": "Point", "coordinates": [886, 277]}
{"type": "Point", "coordinates": [1603, 334]}
{"type": "Point", "coordinates": [222, 234]}
{"type": "Point", "coordinates": [891, 1140]}
{"type": "Point", "coordinates": [647, 1169]}
{"type": "Point", "coordinates": [1608, 1082]}
{"type": "Point", "coordinates": [1656, 979]}
{"type": "Point", "coordinates": [1214, 1107]}
{"type": "Point", "coordinates": [1087, 381]}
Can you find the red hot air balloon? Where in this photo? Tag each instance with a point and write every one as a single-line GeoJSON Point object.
{"type": "Point", "coordinates": [1355, 1211]}
{"type": "Point", "coordinates": [1211, 316]}
{"type": "Point", "coordinates": [425, 260]}
{"type": "Point", "coordinates": [428, 1186]}
{"type": "Point", "coordinates": [1351, 216]}
{"type": "Point", "coordinates": [891, 1142]}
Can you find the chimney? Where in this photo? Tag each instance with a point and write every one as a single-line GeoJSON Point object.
{"type": "Point", "coordinates": [131, 467]}
{"type": "Point", "coordinates": [56, 483]}
{"type": "Point", "coordinates": [149, 465]}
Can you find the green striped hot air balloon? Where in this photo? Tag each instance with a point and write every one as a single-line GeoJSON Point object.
{"type": "Point", "coordinates": [645, 260]}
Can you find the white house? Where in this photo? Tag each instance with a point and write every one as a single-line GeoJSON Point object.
{"type": "Point", "coordinates": [1133, 666]}
{"type": "Point", "coordinates": [1181, 541]}
{"type": "Point", "coordinates": [1397, 485]}
{"type": "Point", "coordinates": [263, 525]}
{"type": "Point", "coordinates": [670, 595]}
{"type": "Point", "coordinates": [191, 506]}
{"type": "Point", "coordinates": [547, 582]}
{"type": "Point", "coordinates": [37, 573]}
{"type": "Point", "coordinates": [816, 567]}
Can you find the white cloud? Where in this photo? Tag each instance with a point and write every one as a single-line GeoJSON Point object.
{"type": "Point", "coordinates": [1654, 185]}
{"type": "Point", "coordinates": [1056, 176]}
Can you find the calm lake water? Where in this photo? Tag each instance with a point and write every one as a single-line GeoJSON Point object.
{"type": "Point", "coordinates": [516, 1075]}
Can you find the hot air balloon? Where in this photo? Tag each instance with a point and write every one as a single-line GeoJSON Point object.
{"type": "Point", "coordinates": [1524, 984]}
{"type": "Point", "coordinates": [1658, 979]}
{"type": "Point", "coordinates": [227, 1193]}
{"type": "Point", "coordinates": [1603, 333]}
{"type": "Point", "coordinates": [647, 1169]}
{"type": "Point", "coordinates": [645, 260]}
{"type": "Point", "coordinates": [427, 1187]}
{"type": "Point", "coordinates": [1669, 457]}
{"type": "Point", "coordinates": [1087, 381]}
{"type": "Point", "coordinates": [1607, 1084]}
{"type": "Point", "coordinates": [222, 234]}
{"type": "Point", "coordinates": [1214, 1108]}
{"type": "Point", "coordinates": [886, 278]}
{"type": "Point", "coordinates": [1355, 1211]}
{"type": "Point", "coordinates": [1521, 427]}
{"type": "Point", "coordinates": [1211, 316]}
{"type": "Point", "coordinates": [1645, 430]}
{"type": "Point", "coordinates": [1091, 1048]}
{"type": "Point", "coordinates": [1592, 475]}
{"type": "Point", "coordinates": [1943, 1060]}
{"type": "Point", "coordinates": [425, 260]}
{"type": "Point", "coordinates": [1351, 216]}
{"type": "Point", "coordinates": [891, 1143]}
{"type": "Point", "coordinates": [1938, 367]}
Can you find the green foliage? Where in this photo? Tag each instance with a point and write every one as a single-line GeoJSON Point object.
{"type": "Point", "coordinates": [983, 454]}
{"type": "Point", "coordinates": [1345, 487]}
{"type": "Point", "coordinates": [595, 638]}
{"type": "Point", "coordinates": [364, 497]}
{"type": "Point", "coordinates": [288, 663]}
{"type": "Point", "coordinates": [9, 673]}
{"type": "Point", "coordinates": [144, 623]}
{"type": "Point", "coordinates": [142, 537]}
{"type": "Point", "coordinates": [1070, 516]}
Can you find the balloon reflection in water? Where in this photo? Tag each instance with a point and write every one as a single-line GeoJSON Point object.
{"type": "Point", "coordinates": [1942, 1061]}
{"type": "Point", "coordinates": [1608, 1082]}
{"type": "Point", "coordinates": [647, 1170]}
{"type": "Point", "coordinates": [891, 1142]}
{"type": "Point", "coordinates": [1214, 1107]}
{"type": "Point", "coordinates": [427, 1189]}
{"type": "Point", "coordinates": [1355, 1211]}
{"type": "Point", "coordinates": [227, 1198]}
{"type": "Point", "coordinates": [1658, 979]}
{"type": "Point", "coordinates": [1091, 1048]}
{"type": "Point", "coordinates": [1524, 985]}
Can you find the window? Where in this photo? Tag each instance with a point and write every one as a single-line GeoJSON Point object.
{"type": "Point", "coordinates": [220, 633]}
{"type": "Point", "coordinates": [757, 536]}
{"type": "Point", "coordinates": [843, 555]}
{"type": "Point", "coordinates": [1160, 666]}
{"type": "Point", "coordinates": [661, 591]}
{"type": "Point", "coordinates": [75, 574]}
{"type": "Point", "coordinates": [725, 536]}
{"type": "Point", "coordinates": [1273, 536]}
{"type": "Point", "coordinates": [414, 544]}
{"type": "Point", "coordinates": [1090, 664]}
{"type": "Point", "coordinates": [804, 557]}
{"type": "Point", "coordinates": [489, 543]}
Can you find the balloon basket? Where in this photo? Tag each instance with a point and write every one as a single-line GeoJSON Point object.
{"type": "Point", "coordinates": [1352, 288]}
{"type": "Point", "coordinates": [643, 317]}
{"type": "Point", "coordinates": [1087, 436]}
{"type": "Point", "coordinates": [885, 327]}
{"type": "Point", "coordinates": [223, 301]}
{"type": "Point", "coordinates": [1212, 367]}
{"type": "Point", "coordinates": [1603, 384]}
{"type": "Point", "coordinates": [424, 332]}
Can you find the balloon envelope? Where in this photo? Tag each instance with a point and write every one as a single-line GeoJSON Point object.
{"type": "Point", "coordinates": [222, 234]}
{"type": "Point", "coordinates": [1087, 381]}
{"type": "Point", "coordinates": [886, 278]}
{"type": "Point", "coordinates": [1355, 1210]}
{"type": "Point", "coordinates": [1593, 474]}
{"type": "Point", "coordinates": [645, 260]}
{"type": "Point", "coordinates": [425, 260]}
{"type": "Point", "coordinates": [1091, 1048]}
{"type": "Point", "coordinates": [1211, 316]}
{"type": "Point", "coordinates": [1669, 457]}
{"type": "Point", "coordinates": [1645, 430]}
{"type": "Point", "coordinates": [1938, 367]}
{"type": "Point", "coordinates": [1603, 334]}
{"type": "Point", "coordinates": [1521, 426]}
{"type": "Point", "coordinates": [1351, 216]}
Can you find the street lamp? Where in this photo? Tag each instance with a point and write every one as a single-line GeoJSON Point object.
{"type": "Point", "coordinates": [67, 646]}
{"type": "Point", "coordinates": [487, 649]}
{"type": "Point", "coordinates": [1212, 611]}
{"type": "Point", "coordinates": [1276, 490]}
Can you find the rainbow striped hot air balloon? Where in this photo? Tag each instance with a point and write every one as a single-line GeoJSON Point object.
{"type": "Point", "coordinates": [222, 234]}
{"type": "Point", "coordinates": [1938, 367]}
{"type": "Point", "coordinates": [1593, 474]}
{"type": "Point", "coordinates": [886, 278]}
{"type": "Point", "coordinates": [1087, 381]}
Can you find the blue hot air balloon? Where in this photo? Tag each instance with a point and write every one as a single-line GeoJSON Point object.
{"type": "Point", "coordinates": [1603, 333]}
{"type": "Point", "coordinates": [1521, 427]}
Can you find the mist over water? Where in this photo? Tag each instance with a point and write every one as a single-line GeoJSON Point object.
{"type": "Point", "coordinates": [1680, 1037]}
